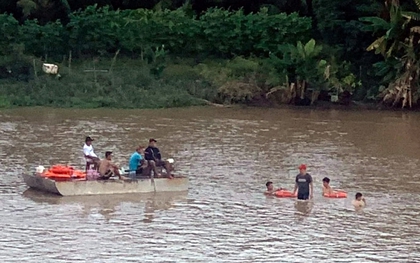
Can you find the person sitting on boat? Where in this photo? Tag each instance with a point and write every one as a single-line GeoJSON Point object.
{"type": "Point", "coordinates": [137, 162]}
{"type": "Point", "coordinates": [270, 188]}
{"type": "Point", "coordinates": [359, 201]}
{"type": "Point", "coordinates": [107, 169]}
{"type": "Point", "coordinates": [90, 156]}
{"type": "Point", "coordinates": [326, 188]}
{"type": "Point", "coordinates": [154, 159]}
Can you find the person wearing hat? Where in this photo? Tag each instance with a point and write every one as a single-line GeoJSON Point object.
{"type": "Point", "coordinates": [90, 156]}
{"type": "Point", "coordinates": [303, 184]}
{"type": "Point", "coordinates": [107, 169]}
{"type": "Point", "coordinates": [154, 159]}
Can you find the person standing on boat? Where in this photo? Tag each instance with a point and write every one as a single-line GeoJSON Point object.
{"type": "Point", "coordinates": [90, 156]}
{"type": "Point", "coordinates": [154, 159]}
{"type": "Point", "coordinates": [136, 162]}
{"type": "Point", "coordinates": [303, 184]}
{"type": "Point", "coordinates": [107, 169]}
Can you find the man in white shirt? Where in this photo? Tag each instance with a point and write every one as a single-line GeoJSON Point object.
{"type": "Point", "coordinates": [90, 156]}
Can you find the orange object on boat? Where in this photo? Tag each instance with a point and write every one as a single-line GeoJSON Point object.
{"type": "Point", "coordinates": [284, 193]}
{"type": "Point", "coordinates": [61, 169]}
{"type": "Point", "coordinates": [336, 194]}
{"type": "Point", "coordinates": [63, 173]}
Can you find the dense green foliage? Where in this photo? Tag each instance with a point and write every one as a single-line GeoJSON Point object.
{"type": "Point", "coordinates": [176, 53]}
{"type": "Point", "coordinates": [99, 31]}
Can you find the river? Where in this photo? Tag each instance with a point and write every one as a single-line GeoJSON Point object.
{"type": "Point", "coordinates": [228, 154]}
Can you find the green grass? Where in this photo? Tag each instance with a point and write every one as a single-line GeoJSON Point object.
{"type": "Point", "coordinates": [129, 83]}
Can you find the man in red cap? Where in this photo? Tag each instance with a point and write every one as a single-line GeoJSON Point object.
{"type": "Point", "coordinates": [304, 184]}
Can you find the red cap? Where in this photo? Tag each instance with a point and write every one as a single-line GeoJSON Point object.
{"type": "Point", "coordinates": [302, 167]}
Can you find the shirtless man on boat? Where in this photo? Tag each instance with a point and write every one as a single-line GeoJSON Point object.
{"type": "Point", "coordinates": [107, 169]}
{"type": "Point", "coordinates": [154, 160]}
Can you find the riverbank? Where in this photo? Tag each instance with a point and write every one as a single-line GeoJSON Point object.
{"type": "Point", "coordinates": [121, 82]}
{"type": "Point", "coordinates": [126, 83]}
{"type": "Point", "coordinates": [104, 82]}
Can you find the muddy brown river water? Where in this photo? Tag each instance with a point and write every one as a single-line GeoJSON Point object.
{"type": "Point", "coordinates": [228, 154]}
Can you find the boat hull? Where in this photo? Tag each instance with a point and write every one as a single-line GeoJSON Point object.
{"type": "Point", "coordinates": [106, 187]}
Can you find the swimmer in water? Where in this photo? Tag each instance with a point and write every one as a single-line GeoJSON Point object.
{"type": "Point", "coordinates": [270, 188]}
{"type": "Point", "coordinates": [326, 188]}
{"type": "Point", "coordinates": [359, 201]}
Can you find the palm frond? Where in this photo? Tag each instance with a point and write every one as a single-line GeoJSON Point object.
{"type": "Point", "coordinates": [310, 47]}
{"type": "Point", "coordinates": [417, 2]}
{"type": "Point", "coordinates": [411, 15]}
{"type": "Point", "coordinates": [376, 44]}
{"type": "Point", "coordinates": [376, 23]}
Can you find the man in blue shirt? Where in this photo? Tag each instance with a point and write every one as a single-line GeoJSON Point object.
{"type": "Point", "coordinates": [136, 162]}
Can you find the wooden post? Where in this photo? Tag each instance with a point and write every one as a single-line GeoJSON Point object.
{"type": "Point", "coordinates": [94, 71]}
{"type": "Point", "coordinates": [70, 62]}
{"type": "Point", "coordinates": [36, 73]}
{"type": "Point", "coordinates": [114, 60]}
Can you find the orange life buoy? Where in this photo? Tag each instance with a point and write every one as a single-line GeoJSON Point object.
{"type": "Point", "coordinates": [284, 193]}
{"type": "Point", "coordinates": [336, 194]}
{"type": "Point", "coordinates": [62, 173]}
{"type": "Point", "coordinates": [61, 169]}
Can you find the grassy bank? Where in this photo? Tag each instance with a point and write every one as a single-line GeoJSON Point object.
{"type": "Point", "coordinates": [106, 82]}
{"type": "Point", "coordinates": [155, 82]}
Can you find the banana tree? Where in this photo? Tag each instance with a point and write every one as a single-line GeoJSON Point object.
{"type": "Point", "coordinates": [303, 64]}
{"type": "Point", "coordinates": [400, 41]}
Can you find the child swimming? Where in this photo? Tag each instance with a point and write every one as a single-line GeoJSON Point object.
{"type": "Point", "coordinates": [359, 201]}
{"type": "Point", "coordinates": [270, 188]}
{"type": "Point", "coordinates": [326, 188]}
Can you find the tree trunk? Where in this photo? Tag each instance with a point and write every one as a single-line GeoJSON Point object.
{"type": "Point", "coordinates": [315, 95]}
{"type": "Point", "coordinates": [302, 91]}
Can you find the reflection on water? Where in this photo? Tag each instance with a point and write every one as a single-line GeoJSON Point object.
{"type": "Point", "coordinates": [229, 155]}
{"type": "Point", "coordinates": [107, 205]}
{"type": "Point", "coordinates": [303, 208]}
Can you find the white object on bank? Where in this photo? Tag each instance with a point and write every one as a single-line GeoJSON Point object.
{"type": "Point", "coordinates": [50, 68]}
